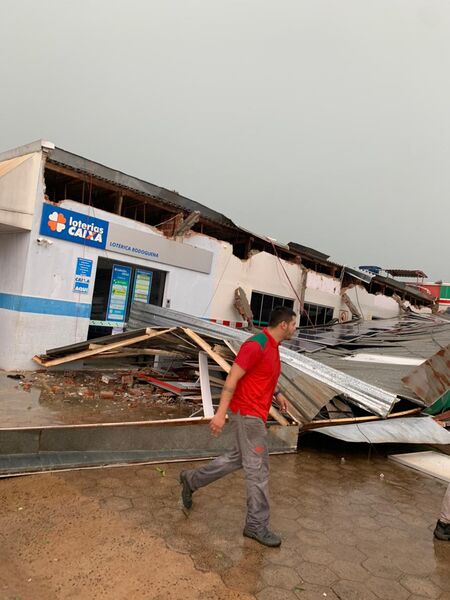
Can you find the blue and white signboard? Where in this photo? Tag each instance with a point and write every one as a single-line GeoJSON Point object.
{"type": "Point", "coordinates": [72, 226]}
{"type": "Point", "coordinates": [83, 274]}
{"type": "Point", "coordinates": [118, 293]}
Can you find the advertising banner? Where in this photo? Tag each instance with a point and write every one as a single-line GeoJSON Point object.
{"type": "Point", "coordinates": [118, 293]}
{"type": "Point", "coordinates": [142, 286]}
{"type": "Point", "coordinates": [83, 272]}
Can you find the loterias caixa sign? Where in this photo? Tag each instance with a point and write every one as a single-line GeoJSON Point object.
{"type": "Point", "coordinates": [73, 226]}
{"type": "Point", "coordinates": [83, 229]}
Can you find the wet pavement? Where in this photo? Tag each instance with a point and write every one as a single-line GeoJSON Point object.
{"type": "Point", "coordinates": [59, 398]}
{"type": "Point", "coordinates": [356, 529]}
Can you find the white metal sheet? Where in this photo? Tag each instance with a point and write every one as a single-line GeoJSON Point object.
{"type": "Point", "coordinates": [205, 385]}
{"type": "Point", "coordinates": [431, 463]}
{"type": "Point", "coordinates": [407, 430]}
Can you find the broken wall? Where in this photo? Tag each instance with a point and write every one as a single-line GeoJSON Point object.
{"type": "Point", "coordinates": [324, 290]}
{"type": "Point", "coordinates": [378, 306]}
{"type": "Point", "coordinates": [262, 272]}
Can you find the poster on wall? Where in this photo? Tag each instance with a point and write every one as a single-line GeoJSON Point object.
{"type": "Point", "coordinates": [142, 286]}
{"type": "Point", "coordinates": [83, 272]}
{"type": "Point", "coordinates": [118, 293]}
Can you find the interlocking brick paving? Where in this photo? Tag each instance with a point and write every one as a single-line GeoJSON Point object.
{"type": "Point", "coordinates": [122, 533]}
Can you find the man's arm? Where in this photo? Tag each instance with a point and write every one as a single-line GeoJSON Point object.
{"type": "Point", "coordinates": [218, 421]}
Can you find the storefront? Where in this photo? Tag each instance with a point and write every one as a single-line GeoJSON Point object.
{"type": "Point", "coordinates": [74, 271]}
{"type": "Point", "coordinates": [117, 285]}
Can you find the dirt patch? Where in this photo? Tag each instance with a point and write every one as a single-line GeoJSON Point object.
{"type": "Point", "coordinates": [57, 544]}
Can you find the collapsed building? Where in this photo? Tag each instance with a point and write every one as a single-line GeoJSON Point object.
{"type": "Point", "coordinates": [80, 242]}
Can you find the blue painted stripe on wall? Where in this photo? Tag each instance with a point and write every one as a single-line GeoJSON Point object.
{"type": "Point", "coordinates": [45, 306]}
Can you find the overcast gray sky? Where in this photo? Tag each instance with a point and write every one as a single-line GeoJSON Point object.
{"type": "Point", "coordinates": [325, 122]}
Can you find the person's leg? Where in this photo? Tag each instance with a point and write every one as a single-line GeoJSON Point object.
{"type": "Point", "coordinates": [194, 479]}
{"type": "Point", "coordinates": [442, 529]}
{"type": "Point", "coordinates": [252, 434]}
{"type": "Point", "coordinates": [253, 443]}
{"type": "Point", "coordinates": [445, 509]}
{"type": "Point", "coordinates": [217, 468]}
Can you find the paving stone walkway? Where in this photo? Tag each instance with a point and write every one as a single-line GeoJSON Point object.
{"type": "Point", "coordinates": [348, 533]}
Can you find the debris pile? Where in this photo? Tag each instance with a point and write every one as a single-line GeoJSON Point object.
{"type": "Point", "coordinates": [93, 396]}
{"type": "Point", "coordinates": [334, 390]}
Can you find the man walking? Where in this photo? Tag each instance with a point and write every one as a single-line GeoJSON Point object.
{"type": "Point", "coordinates": [248, 392]}
{"type": "Point", "coordinates": [442, 529]}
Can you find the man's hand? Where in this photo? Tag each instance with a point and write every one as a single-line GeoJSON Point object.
{"type": "Point", "coordinates": [217, 424]}
{"type": "Point", "coordinates": [282, 402]}
{"type": "Point", "coordinates": [218, 421]}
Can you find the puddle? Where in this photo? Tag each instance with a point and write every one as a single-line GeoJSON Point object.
{"type": "Point", "coordinates": [63, 398]}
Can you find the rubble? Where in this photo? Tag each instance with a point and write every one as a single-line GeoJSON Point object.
{"type": "Point", "coordinates": [322, 393]}
{"type": "Point", "coordinates": [84, 396]}
{"type": "Point", "coordinates": [155, 403]}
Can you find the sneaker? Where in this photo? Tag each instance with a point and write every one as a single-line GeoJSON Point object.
{"type": "Point", "coordinates": [442, 531]}
{"type": "Point", "coordinates": [186, 492]}
{"type": "Point", "coordinates": [266, 537]}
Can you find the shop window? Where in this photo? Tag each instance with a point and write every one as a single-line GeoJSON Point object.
{"type": "Point", "coordinates": [144, 285]}
{"type": "Point", "coordinates": [314, 315]}
{"type": "Point", "coordinates": [263, 304]}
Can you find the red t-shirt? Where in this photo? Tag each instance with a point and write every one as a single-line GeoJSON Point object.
{"type": "Point", "coordinates": [260, 358]}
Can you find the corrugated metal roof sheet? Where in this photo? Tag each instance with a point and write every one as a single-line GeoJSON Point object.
{"type": "Point", "coordinates": [99, 171]}
{"type": "Point", "coordinates": [406, 273]}
{"type": "Point", "coordinates": [431, 380]}
{"type": "Point", "coordinates": [310, 251]}
{"type": "Point", "coordinates": [407, 336]}
{"type": "Point", "coordinates": [365, 395]}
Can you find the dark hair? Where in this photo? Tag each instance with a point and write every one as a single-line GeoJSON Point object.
{"type": "Point", "coordinates": [280, 314]}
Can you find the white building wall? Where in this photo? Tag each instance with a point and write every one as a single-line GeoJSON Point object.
{"type": "Point", "coordinates": [378, 306]}
{"type": "Point", "coordinates": [56, 263]}
{"type": "Point", "coordinates": [261, 272]}
{"type": "Point", "coordinates": [16, 328]}
{"type": "Point", "coordinates": [324, 290]}
{"type": "Point", "coordinates": [14, 248]}
{"type": "Point", "coordinates": [19, 179]}
{"type": "Point", "coordinates": [49, 274]}
{"type": "Point", "coordinates": [373, 305]}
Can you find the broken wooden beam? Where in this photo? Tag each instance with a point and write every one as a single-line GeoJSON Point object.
{"type": "Point", "coordinates": [150, 333]}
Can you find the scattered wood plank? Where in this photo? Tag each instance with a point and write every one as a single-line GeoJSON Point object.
{"type": "Point", "coordinates": [150, 333]}
{"type": "Point", "coordinates": [348, 420]}
{"type": "Point", "coordinates": [128, 352]}
{"type": "Point", "coordinates": [106, 339]}
{"type": "Point", "coordinates": [207, 348]}
{"type": "Point", "coordinates": [155, 423]}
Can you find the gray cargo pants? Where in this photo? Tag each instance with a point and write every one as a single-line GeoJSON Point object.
{"type": "Point", "coordinates": [445, 510]}
{"type": "Point", "coordinates": [251, 453]}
